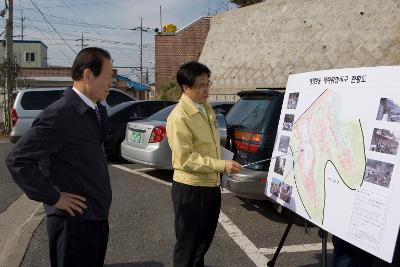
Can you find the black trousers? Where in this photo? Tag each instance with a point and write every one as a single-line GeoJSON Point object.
{"type": "Point", "coordinates": [196, 216]}
{"type": "Point", "coordinates": [348, 255]}
{"type": "Point", "coordinates": [75, 242]}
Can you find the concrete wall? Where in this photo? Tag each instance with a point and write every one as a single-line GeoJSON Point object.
{"type": "Point", "coordinates": [43, 56]}
{"type": "Point", "coordinates": [260, 45]}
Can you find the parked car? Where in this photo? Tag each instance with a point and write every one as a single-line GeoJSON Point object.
{"type": "Point", "coordinates": [30, 102]}
{"type": "Point", "coordinates": [252, 125]}
{"type": "Point", "coordinates": [121, 114]}
{"type": "Point", "coordinates": [145, 140]}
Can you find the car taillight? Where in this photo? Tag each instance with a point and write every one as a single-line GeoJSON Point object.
{"type": "Point", "coordinates": [14, 117]}
{"type": "Point", "coordinates": [157, 134]}
{"type": "Point", "coordinates": [246, 141]}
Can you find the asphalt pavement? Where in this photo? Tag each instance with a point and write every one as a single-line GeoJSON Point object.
{"type": "Point", "coordinates": [9, 191]}
{"type": "Point", "coordinates": [142, 232]}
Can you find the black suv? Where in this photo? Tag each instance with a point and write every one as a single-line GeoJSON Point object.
{"type": "Point", "coordinates": [252, 126]}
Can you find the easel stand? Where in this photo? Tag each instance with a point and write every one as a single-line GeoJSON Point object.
{"type": "Point", "coordinates": [321, 233]}
{"type": "Point", "coordinates": [324, 236]}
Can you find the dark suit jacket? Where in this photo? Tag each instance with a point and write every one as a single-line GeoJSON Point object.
{"type": "Point", "coordinates": [63, 151]}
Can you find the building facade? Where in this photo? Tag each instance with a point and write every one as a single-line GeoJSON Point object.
{"type": "Point", "coordinates": [28, 54]}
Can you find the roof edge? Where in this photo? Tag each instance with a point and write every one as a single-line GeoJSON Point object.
{"type": "Point", "coordinates": [193, 22]}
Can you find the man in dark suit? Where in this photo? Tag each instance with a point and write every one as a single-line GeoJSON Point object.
{"type": "Point", "coordinates": [61, 162]}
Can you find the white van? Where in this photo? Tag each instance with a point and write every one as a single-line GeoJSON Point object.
{"type": "Point", "coordinates": [30, 102]}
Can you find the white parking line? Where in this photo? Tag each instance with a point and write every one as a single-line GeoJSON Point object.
{"type": "Point", "coordinates": [243, 242]}
{"type": "Point", "coordinates": [296, 248]}
{"type": "Point", "coordinates": [141, 174]}
{"type": "Point", "coordinates": [144, 169]}
{"type": "Point", "coordinates": [138, 172]}
{"type": "Point", "coordinates": [256, 255]}
{"type": "Point", "coordinates": [233, 231]}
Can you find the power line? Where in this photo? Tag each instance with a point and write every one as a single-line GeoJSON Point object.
{"type": "Point", "coordinates": [87, 4]}
{"type": "Point", "coordinates": [78, 24]}
{"type": "Point", "coordinates": [75, 22]}
{"type": "Point", "coordinates": [79, 17]}
{"type": "Point", "coordinates": [146, 47]}
{"type": "Point", "coordinates": [71, 22]}
{"type": "Point", "coordinates": [50, 34]}
{"type": "Point", "coordinates": [52, 26]}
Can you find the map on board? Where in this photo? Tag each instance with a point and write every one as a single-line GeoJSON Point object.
{"type": "Point", "coordinates": [323, 136]}
{"type": "Point", "coordinates": [335, 161]}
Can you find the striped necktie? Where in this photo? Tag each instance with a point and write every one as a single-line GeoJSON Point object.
{"type": "Point", "coordinates": [96, 109]}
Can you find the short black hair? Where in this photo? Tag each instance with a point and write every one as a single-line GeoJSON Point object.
{"type": "Point", "coordinates": [89, 58]}
{"type": "Point", "coordinates": [189, 71]}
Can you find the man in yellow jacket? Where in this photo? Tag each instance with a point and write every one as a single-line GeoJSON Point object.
{"type": "Point", "coordinates": [196, 159]}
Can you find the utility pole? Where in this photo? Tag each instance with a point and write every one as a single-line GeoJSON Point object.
{"type": "Point", "coordinates": [147, 75]}
{"type": "Point", "coordinates": [22, 25]}
{"type": "Point", "coordinates": [8, 67]}
{"type": "Point", "coordinates": [161, 27]}
{"type": "Point", "coordinates": [82, 40]}
{"type": "Point", "coordinates": [142, 29]}
{"type": "Point", "coordinates": [9, 32]}
{"type": "Point", "coordinates": [141, 50]}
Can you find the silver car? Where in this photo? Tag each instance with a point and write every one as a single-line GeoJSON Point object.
{"type": "Point", "coordinates": [145, 140]}
{"type": "Point", "coordinates": [30, 102]}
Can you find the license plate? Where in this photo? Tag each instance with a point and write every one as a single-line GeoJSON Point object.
{"type": "Point", "coordinates": [136, 137]}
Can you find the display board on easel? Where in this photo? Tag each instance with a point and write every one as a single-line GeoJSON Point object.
{"type": "Point", "coordinates": [336, 159]}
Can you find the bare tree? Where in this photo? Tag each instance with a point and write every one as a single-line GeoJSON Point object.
{"type": "Point", "coordinates": [243, 3]}
{"type": "Point", "coordinates": [8, 71]}
{"type": "Point", "coordinates": [224, 5]}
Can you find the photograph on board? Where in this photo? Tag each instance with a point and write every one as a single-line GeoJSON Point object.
{"type": "Point", "coordinates": [292, 101]}
{"type": "Point", "coordinates": [384, 141]}
{"type": "Point", "coordinates": [284, 143]}
{"type": "Point", "coordinates": [378, 172]}
{"type": "Point", "coordinates": [279, 165]}
{"type": "Point", "coordinates": [389, 110]}
{"type": "Point", "coordinates": [288, 122]}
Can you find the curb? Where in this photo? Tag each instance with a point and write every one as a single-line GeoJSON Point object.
{"type": "Point", "coordinates": [17, 225]}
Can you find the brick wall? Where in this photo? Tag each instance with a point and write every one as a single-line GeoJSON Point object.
{"type": "Point", "coordinates": [172, 50]}
{"type": "Point", "coordinates": [45, 72]}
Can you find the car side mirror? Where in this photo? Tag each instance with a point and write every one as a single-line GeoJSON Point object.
{"type": "Point", "coordinates": [222, 127]}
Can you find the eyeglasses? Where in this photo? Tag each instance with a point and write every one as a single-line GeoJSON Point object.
{"type": "Point", "coordinates": [204, 85]}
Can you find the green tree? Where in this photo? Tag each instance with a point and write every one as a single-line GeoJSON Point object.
{"type": "Point", "coordinates": [169, 90]}
{"type": "Point", "coordinates": [243, 3]}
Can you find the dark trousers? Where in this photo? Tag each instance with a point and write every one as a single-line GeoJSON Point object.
{"type": "Point", "coordinates": [196, 216]}
{"type": "Point", "coordinates": [347, 255]}
{"type": "Point", "coordinates": [76, 242]}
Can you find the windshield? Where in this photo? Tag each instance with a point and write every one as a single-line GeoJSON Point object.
{"type": "Point", "coordinates": [251, 112]}
{"type": "Point", "coordinates": [162, 115]}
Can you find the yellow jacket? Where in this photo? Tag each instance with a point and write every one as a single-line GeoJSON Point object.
{"type": "Point", "coordinates": [194, 141]}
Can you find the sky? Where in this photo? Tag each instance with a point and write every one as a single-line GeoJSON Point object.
{"type": "Point", "coordinates": [107, 24]}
